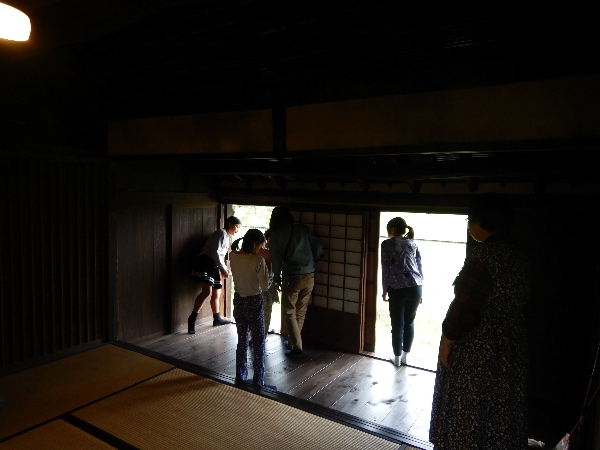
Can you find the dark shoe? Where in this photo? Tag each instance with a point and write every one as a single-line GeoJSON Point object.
{"type": "Point", "coordinates": [293, 352]}
{"type": "Point", "coordinates": [271, 331]}
{"type": "Point", "coordinates": [218, 320]}
{"type": "Point", "coordinates": [192, 323]}
{"type": "Point", "coordinates": [270, 386]}
{"type": "Point", "coordinates": [287, 345]}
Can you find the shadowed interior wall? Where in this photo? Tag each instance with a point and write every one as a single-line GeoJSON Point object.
{"type": "Point", "coordinates": [142, 279]}
{"type": "Point", "coordinates": [157, 244]}
{"type": "Point", "coordinates": [160, 228]}
{"type": "Point", "coordinates": [191, 227]}
{"type": "Point", "coordinates": [53, 271]}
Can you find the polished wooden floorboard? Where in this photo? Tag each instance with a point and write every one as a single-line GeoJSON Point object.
{"type": "Point", "coordinates": [365, 387]}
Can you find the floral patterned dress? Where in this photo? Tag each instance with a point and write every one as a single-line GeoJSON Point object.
{"type": "Point", "coordinates": [481, 403]}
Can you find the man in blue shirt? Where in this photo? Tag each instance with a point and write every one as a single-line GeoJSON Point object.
{"type": "Point", "coordinates": [293, 251]}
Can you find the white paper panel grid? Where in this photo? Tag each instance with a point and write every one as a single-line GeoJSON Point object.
{"type": "Point", "coordinates": [337, 268]}
{"type": "Point", "coordinates": [338, 232]}
{"type": "Point", "coordinates": [337, 256]}
{"type": "Point", "coordinates": [320, 289]}
{"type": "Point", "coordinates": [336, 280]}
{"type": "Point", "coordinates": [336, 292]}
{"type": "Point", "coordinates": [338, 219]}
{"type": "Point", "coordinates": [333, 303]}
{"type": "Point", "coordinates": [353, 246]}
{"type": "Point", "coordinates": [353, 258]}
{"type": "Point", "coordinates": [321, 278]}
{"type": "Point", "coordinates": [337, 244]}
{"type": "Point", "coordinates": [322, 266]}
{"type": "Point", "coordinates": [351, 307]}
{"type": "Point", "coordinates": [337, 277]}
{"type": "Point", "coordinates": [351, 295]}
{"type": "Point", "coordinates": [322, 231]}
{"type": "Point", "coordinates": [354, 233]}
{"type": "Point", "coordinates": [307, 217]}
{"type": "Point", "coordinates": [321, 302]}
{"type": "Point", "coordinates": [352, 283]}
{"type": "Point", "coordinates": [323, 218]}
{"type": "Point", "coordinates": [352, 271]}
{"type": "Point", "coordinates": [354, 220]}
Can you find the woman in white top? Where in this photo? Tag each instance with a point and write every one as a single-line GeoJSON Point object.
{"type": "Point", "coordinates": [251, 278]}
{"type": "Point", "coordinates": [210, 267]}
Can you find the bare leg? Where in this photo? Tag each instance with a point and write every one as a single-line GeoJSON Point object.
{"type": "Point", "coordinates": [206, 292]}
{"type": "Point", "coordinates": [214, 300]}
{"type": "Point", "coordinates": [200, 299]}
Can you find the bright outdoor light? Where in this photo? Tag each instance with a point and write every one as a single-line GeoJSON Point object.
{"type": "Point", "coordinates": [14, 24]}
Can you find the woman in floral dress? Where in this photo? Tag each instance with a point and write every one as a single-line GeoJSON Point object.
{"type": "Point", "coordinates": [480, 399]}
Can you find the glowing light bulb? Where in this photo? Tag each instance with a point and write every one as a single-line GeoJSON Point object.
{"type": "Point", "coordinates": [14, 24]}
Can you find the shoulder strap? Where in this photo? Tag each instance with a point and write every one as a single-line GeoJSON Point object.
{"type": "Point", "coordinates": [288, 242]}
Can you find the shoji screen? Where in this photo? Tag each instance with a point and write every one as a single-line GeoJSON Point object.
{"type": "Point", "coordinates": [338, 274]}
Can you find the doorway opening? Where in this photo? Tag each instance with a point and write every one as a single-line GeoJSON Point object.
{"type": "Point", "coordinates": [258, 217]}
{"type": "Point", "coordinates": [441, 239]}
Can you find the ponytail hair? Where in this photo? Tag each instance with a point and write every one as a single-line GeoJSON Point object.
{"type": "Point", "coordinates": [235, 245]}
{"type": "Point", "coordinates": [400, 225]}
{"type": "Point", "coordinates": [252, 235]}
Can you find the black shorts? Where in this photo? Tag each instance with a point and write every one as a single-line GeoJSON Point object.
{"type": "Point", "coordinates": [206, 271]}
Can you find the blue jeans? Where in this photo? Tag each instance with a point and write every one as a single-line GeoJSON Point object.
{"type": "Point", "coordinates": [403, 305]}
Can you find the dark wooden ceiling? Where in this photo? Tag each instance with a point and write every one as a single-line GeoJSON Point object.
{"type": "Point", "coordinates": [148, 57]}
{"type": "Point", "coordinates": [140, 58]}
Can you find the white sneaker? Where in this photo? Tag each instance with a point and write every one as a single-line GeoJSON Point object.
{"type": "Point", "coordinates": [395, 360]}
{"type": "Point", "coordinates": [403, 359]}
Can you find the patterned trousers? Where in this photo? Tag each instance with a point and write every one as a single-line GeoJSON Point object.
{"type": "Point", "coordinates": [248, 315]}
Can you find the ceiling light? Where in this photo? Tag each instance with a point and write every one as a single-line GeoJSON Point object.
{"type": "Point", "coordinates": [14, 24]}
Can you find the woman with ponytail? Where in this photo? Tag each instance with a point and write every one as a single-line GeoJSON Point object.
{"type": "Point", "coordinates": [402, 280]}
{"type": "Point", "coordinates": [252, 279]}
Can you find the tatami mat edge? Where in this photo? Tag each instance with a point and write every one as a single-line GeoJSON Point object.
{"type": "Point", "coordinates": [64, 414]}
{"type": "Point", "coordinates": [304, 405]}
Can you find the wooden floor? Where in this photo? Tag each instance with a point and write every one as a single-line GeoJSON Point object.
{"type": "Point", "coordinates": [365, 387]}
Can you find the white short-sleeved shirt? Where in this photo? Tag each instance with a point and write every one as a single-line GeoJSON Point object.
{"type": "Point", "coordinates": [250, 274]}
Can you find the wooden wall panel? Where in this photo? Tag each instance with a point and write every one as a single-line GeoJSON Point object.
{"type": "Point", "coordinates": [142, 288]}
{"type": "Point", "coordinates": [53, 267]}
{"type": "Point", "coordinates": [332, 329]}
{"type": "Point", "coordinates": [543, 109]}
{"type": "Point", "coordinates": [191, 226]}
{"type": "Point", "coordinates": [224, 132]}
{"type": "Point", "coordinates": [372, 264]}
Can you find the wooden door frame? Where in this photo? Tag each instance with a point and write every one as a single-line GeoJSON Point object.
{"type": "Point", "coordinates": [226, 301]}
{"type": "Point", "coordinates": [369, 288]}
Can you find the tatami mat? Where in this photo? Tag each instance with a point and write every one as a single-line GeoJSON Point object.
{"type": "Point", "coordinates": [57, 434]}
{"type": "Point", "coordinates": [45, 392]}
{"type": "Point", "coordinates": [182, 410]}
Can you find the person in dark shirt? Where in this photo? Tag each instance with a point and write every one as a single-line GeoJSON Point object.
{"type": "Point", "coordinates": [293, 250]}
